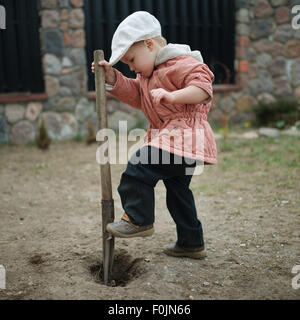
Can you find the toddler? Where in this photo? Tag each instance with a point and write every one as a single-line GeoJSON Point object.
{"type": "Point", "coordinates": [173, 88]}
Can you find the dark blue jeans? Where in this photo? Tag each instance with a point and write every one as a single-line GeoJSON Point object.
{"type": "Point", "coordinates": [136, 190]}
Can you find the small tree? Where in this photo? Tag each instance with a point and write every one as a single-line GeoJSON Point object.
{"type": "Point", "coordinates": [43, 141]}
{"type": "Point", "coordinates": [91, 137]}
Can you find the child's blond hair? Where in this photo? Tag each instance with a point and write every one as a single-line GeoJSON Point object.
{"type": "Point", "coordinates": [161, 41]}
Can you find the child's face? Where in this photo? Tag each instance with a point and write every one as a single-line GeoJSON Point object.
{"type": "Point", "coordinates": [140, 57]}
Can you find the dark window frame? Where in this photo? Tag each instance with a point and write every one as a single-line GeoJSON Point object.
{"type": "Point", "coordinates": [20, 49]}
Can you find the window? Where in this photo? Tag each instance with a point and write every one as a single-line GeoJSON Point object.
{"type": "Point", "coordinates": [20, 56]}
{"type": "Point", "coordinates": [205, 25]}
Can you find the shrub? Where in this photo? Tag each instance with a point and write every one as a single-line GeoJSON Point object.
{"type": "Point", "coordinates": [91, 137]}
{"type": "Point", "coordinates": [43, 141]}
{"type": "Point", "coordinates": [278, 114]}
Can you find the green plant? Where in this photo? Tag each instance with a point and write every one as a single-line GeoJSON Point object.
{"type": "Point", "coordinates": [246, 124]}
{"type": "Point", "coordinates": [141, 123]}
{"type": "Point", "coordinates": [215, 127]}
{"type": "Point", "coordinates": [279, 113]}
{"type": "Point", "coordinates": [30, 144]}
{"type": "Point", "coordinates": [91, 137]}
{"type": "Point", "coordinates": [280, 124]}
{"type": "Point", "coordinates": [78, 138]}
{"type": "Point", "coordinates": [43, 141]}
{"type": "Point", "coordinates": [226, 147]}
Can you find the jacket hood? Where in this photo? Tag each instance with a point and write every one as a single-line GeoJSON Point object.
{"type": "Point", "coordinates": [173, 50]}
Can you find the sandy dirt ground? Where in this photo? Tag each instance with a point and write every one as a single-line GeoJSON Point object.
{"type": "Point", "coordinates": [50, 229]}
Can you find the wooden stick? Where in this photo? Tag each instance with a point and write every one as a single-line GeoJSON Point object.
{"type": "Point", "coordinates": [107, 202]}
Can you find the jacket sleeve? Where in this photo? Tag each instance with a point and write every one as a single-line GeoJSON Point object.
{"type": "Point", "coordinates": [127, 90]}
{"type": "Point", "coordinates": [191, 72]}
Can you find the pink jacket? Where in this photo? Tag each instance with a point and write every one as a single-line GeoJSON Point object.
{"type": "Point", "coordinates": [177, 128]}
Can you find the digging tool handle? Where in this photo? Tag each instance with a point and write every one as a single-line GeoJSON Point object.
{"type": "Point", "coordinates": [102, 120]}
{"type": "Point", "coordinates": [107, 202]}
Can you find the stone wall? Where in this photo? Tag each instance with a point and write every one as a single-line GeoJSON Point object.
{"type": "Point", "coordinates": [64, 66]}
{"type": "Point", "coordinates": [267, 67]}
{"type": "Point", "coordinates": [267, 59]}
{"type": "Point", "coordinates": [67, 111]}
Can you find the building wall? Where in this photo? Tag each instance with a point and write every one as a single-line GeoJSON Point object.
{"type": "Point", "coordinates": [267, 59]}
{"type": "Point", "coordinates": [267, 66]}
{"type": "Point", "coordinates": [65, 106]}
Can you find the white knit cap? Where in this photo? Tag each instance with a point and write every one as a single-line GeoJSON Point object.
{"type": "Point", "coordinates": [140, 25]}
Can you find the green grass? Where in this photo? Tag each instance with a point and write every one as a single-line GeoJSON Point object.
{"type": "Point", "coordinates": [244, 154]}
{"type": "Point", "coordinates": [201, 188]}
{"type": "Point", "coordinates": [262, 166]}
{"type": "Point", "coordinates": [31, 144]}
{"type": "Point", "coordinates": [78, 138]}
{"type": "Point", "coordinates": [226, 147]}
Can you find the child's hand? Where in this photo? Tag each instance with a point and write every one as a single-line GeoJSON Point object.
{"type": "Point", "coordinates": [110, 76]}
{"type": "Point", "coordinates": [161, 94]}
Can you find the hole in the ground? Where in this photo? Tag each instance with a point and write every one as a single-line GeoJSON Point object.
{"type": "Point", "coordinates": [125, 269]}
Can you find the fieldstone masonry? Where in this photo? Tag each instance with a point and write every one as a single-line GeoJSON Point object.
{"type": "Point", "coordinates": [267, 64]}
{"type": "Point", "coordinates": [267, 58]}
{"type": "Point", "coordinates": [65, 74]}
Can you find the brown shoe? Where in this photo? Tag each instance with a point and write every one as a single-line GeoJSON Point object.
{"type": "Point", "coordinates": [126, 229]}
{"type": "Point", "coordinates": [195, 253]}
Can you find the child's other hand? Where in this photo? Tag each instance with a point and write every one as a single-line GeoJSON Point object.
{"type": "Point", "coordinates": [161, 94]}
{"type": "Point", "coordinates": [110, 76]}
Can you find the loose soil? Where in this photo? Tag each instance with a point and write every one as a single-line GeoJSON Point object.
{"type": "Point", "coordinates": [50, 231]}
